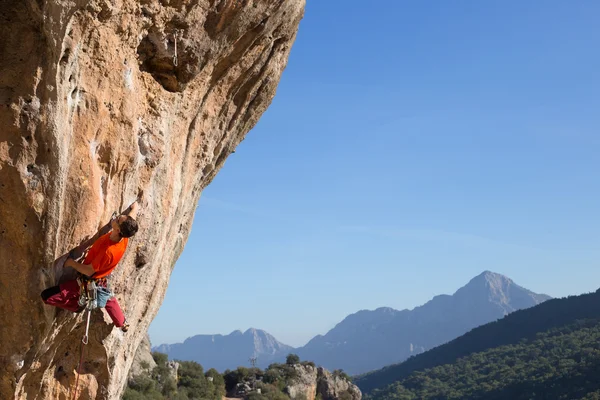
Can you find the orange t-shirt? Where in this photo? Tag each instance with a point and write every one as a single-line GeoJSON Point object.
{"type": "Point", "coordinates": [105, 255]}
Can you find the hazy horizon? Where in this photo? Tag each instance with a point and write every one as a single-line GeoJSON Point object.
{"type": "Point", "coordinates": [244, 330]}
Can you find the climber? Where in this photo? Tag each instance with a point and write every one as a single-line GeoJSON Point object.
{"type": "Point", "coordinates": [100, 261]}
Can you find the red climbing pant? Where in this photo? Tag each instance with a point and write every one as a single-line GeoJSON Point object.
{"type": "Point", "coordinates": [66, 296]}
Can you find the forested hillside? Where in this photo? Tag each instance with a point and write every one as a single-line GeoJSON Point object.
{"type": "Point", "coordinates": [483, 350]}
{"type": "Point", "coordinates": [563, 363]}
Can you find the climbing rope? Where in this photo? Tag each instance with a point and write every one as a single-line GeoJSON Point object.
{"type": "Point", "coordinates": [84, 341]}
{"type": "Point", "coordinates": [90, 298]}
{"type": "Point", "coordinates": [91, 304]}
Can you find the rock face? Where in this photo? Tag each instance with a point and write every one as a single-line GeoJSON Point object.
{"type": "Point", "coordinates": [223, 352]}
{"type": "Point", "coordinates": [101, 100]}
{"type": "Point", "coordinates": [173, 369]}
{"type": "Point", "coordinates": [368, 340]}
{"type": "Point", "coordinates": [143, 362]}
{"type": "Point", "coordinates": [312, 382]}
{"type": "Point", "coordinates": [332, 387]}
{"type": "Point", "coordinates": [305, 385]}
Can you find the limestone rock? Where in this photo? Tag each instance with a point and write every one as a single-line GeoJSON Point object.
{"type": "Point", "coordinates": [101, 100]}
{"type": "Point", "coordinates": [305, 385]}
{"type": "Point", "coordinates": [173, 369]}
{"type": "Point", "coordinates": [143, 362]}
{"type": "Point", "coordinates": [333, 387]}
{"type": "Point", "coordinates": [311, 382]}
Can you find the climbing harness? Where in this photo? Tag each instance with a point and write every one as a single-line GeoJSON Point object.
{"type": "Point", "coordinates": [93, 292]}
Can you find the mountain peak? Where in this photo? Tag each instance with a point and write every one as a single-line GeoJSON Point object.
{"type": "Point", "coordinates": [371, 339]}
{"type": "Point", "coordinates": [500, 290]}
{"type": "Point", "coordinates": [489, 280]}
{"type": "Point", "coordinates": [258, 333]}
{"type": "Point", "coordinates": [386, 310]}
{"type": "Point", "coordinates": [488, 276]}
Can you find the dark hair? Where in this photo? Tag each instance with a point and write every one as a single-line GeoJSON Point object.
{"type": "Point", "coordinates": [129, 227]}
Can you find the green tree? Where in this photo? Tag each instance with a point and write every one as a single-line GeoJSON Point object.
{"type": "Point", "coordinates": [169, 387]}
{"type": "Point", "coordinates": [232, 378]}
{"type": "Point", "coordinates": [339, 373]}
{"type": "Point", "coordinates": [194, 382]}
{"type": "Point", "coordinates": [160, 358]}
{"type": "Point", "coordinates": [272, 375]}
{"type": "Point", "coordinates": [292, 359]}
{"type": "Point", "coordinates": [218, 383]}
{"type": "Point", "coordinates": [268, 392]}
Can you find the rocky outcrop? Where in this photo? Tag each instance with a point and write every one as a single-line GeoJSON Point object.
{"type": "Point", "coordinates": [312, 382]}
{"type": "Point", "coordinates": [143, 362]}
{"type": "Point", "coordinates": [101, 100]}
{"type": "Point", "coordinates": [173, 369]}
{"type": "Point", "coordinates": [333, 386]}
{"type": "Point", "coordinates": [304, 385]}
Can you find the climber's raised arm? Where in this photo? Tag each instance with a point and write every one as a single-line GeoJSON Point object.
{"type": "Point", "coordinates": [133, 210]}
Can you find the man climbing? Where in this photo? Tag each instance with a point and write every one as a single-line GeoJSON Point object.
{"type": "Point", "coordinates": [100, 261]}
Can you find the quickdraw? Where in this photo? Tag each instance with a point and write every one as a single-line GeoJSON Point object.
{"type": "Point", "coordinates": [175, 35]}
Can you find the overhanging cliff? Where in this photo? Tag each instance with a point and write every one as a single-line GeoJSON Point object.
{"type": "Point", "coordinates": [101, 100]}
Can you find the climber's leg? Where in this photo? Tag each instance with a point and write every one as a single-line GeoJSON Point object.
{"type": "Point", "coordinates": [114, 311]}
{"type": "Point", "coordinates": [51, 291]}
{"type": "Point", "coordinates": [66, 296]}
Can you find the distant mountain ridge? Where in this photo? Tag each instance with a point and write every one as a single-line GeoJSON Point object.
{"type": "Point", "coordinates": [368, 340]}
{"type": "Point", "coordinates": [228, 351]}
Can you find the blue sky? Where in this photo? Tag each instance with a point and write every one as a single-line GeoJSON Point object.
{"type": "Point", "coordinates": [410, 146]}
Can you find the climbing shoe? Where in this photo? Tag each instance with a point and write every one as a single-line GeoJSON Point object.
{"type": "Point", "coordinates": [125, 326]}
